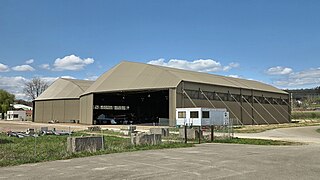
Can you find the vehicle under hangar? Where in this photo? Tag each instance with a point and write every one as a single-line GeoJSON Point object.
{"type": "Point", "coordinates": [135, 93]}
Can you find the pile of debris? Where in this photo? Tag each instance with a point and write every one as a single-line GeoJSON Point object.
{"type": "Point", "coordinates": [32, 133]}
{"type": "Point", "coordinates": [46, 131]}
{"type": "Point", "coordinates": [29, 133]}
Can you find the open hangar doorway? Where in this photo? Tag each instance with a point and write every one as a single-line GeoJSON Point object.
{"type": "Point", "coordinates": [130, 107]}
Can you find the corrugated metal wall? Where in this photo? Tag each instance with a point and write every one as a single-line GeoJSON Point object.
{"type": "Point", "coordinates": [261, 114]}
{"type": "Point", "coordinates": [86, 109]}
{"type": "Point", "coordinates": [172, 106]}
{"type": "Point", "coordinates": [61, 110]}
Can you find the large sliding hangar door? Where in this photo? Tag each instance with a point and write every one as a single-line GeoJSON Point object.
{"type": "Point", "coordinates": [135, 107]}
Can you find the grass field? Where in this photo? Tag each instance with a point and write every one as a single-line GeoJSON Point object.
{"type": "Point", "coordinates": [14, 151]}
{"type": "Point", "coordinates": [305, 114]}
{"type": "Point", "coordinates": [261, 128]}
{"type": "Point", "coordinates": [255, 141]}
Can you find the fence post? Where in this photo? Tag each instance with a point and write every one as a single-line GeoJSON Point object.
{"type": "Point", "coordinates": [199, 134]}
{"type": "Point", "coordinates": [102, 143]}
{"type": "Point", "coordinates": [212, 133]}
{"type": "Point", "coordinates": [185, 134]}
{"type": "Point", "coordinates": [35, 145]}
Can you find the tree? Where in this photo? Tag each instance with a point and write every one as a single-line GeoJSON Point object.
{"type": "Point", "coordinates": [35, 87]}
{"type": "Point", "coordinates": [5, 100]}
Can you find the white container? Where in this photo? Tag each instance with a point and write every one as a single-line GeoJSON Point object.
{"type": "Point", "coordinates": [201, 116]}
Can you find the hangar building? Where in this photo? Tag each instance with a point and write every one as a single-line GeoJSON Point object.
{"type": "Point", "coordinates": [142, 93]}
{"type": "Point", "coordinates": [60, 101]}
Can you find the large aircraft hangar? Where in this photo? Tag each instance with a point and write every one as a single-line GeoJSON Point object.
{"type": "Point", "coordinates": [143, 93]}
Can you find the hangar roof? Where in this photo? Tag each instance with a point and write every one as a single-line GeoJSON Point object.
{"type": "Point", "coordinates": [135, 76]}
{"type": "Point", "coordinates": [64, 88]}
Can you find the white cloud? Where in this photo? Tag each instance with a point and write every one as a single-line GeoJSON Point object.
{"type": "Point", "coordinates": [13, 85]}
{"type": "Point", "coordinates": [68, 77]}
{"type": "Point", "coordinates": [91, 78]}
{"type": "Point", "coordinates": [230, 66]}
{"type": "Point", "coordinates": [234, 65]}
{"type": "Point", "coordinates": [23, 68]}
{"type": "Point", "coordinates": [45, 66]}
{"type": "Point", "coordinates": [72, 63]}
{"type": "Point", "coordinates": [4, 68]}
{"type": "Point", "coordinates": [49, 80]}
{"type": "Point", "coordinates": [234, 76]}
{"type": "Point", "coordinates": [309, 77]}
{"type": "Point", "coordinates": [30, 61]}
{"type": "Point", "coordinates": [278, 70]}
{"type": "Point", "coordinates": [201, 65]}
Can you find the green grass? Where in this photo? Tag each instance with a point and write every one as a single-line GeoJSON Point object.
{"type": "Point", "coordinates": [174, 129]}
{"type": "Point", "coordinates": [15, 151]}
{"type": "Point", "coordinates": [262, 128]}
{"type": "Point", "coordinates": [305, 114]}
{"type": "Point", "coordinates": [254, 141]}
{"type": "Point", "coordinates": [104, 132]}
{"type": "Point", "coordinates": [206, 139]}
{"type": "Point", "coordinates": [318, 130]}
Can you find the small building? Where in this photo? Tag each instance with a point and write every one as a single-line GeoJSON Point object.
{"type": "Point", "coordinates": [201, 116]}
{"type": "Point", "coordinates": [22, 107]}
{"type": "Point", "coordinates": [16, 115]}
{"type": "Point", "coordinates": [29, 115]}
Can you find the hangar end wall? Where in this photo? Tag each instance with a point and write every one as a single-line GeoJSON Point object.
{"type": "Point", "coordinates": [86, 109]}
{"type": "Point", "coordinates": [62, 110]}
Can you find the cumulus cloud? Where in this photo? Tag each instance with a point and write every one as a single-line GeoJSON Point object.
{"type": "Point", "coordinates": [13, 85]}
{"type": "Point", "coordinates": [23, 68]}
{"type": "Point", "coordinates": [45, 66]}
{"type": "Point", "coordinates": [68, 77]}
{"type": "Point", "coordinates": [201, 65]}
{"type": "Point", "coordinates": [4, 68]}
{"type": "Point", "coordinates": [72, 63]}
{"type": "Point", "coordinates": [234, 76]}
{"type": "Point", "coordinates": [309, 77]}
{"type": "Point", "coordinates": [30, 61]}
{"type": "Point", "coordinates": [278, 70]}
{"type": "Point", "coordinates": [91, 78]}
{"type": "Point", "coordinates": [230, 66]}
{"type": "Point", "coordinates": [49, 80]}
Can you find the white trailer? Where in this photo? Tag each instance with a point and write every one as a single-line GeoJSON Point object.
{"type": "Point", "coordinates": [16, 115]}
{"type": "Point", "coordinates": [201, 116]}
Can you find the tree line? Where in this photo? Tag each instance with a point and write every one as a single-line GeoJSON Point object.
{"type": "Point", "coordinates": [32, 89]}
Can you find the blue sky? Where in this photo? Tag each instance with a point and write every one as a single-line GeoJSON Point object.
{"type": "Point", "coordinates": [276, 42]}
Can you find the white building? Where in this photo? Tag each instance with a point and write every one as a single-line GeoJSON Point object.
{"type": "Point", "coordinates": [16, 115]}
{"type": "Point", "coordinates": [22, 106]}
{"type": "Point", "coordinates": [201, 116]}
